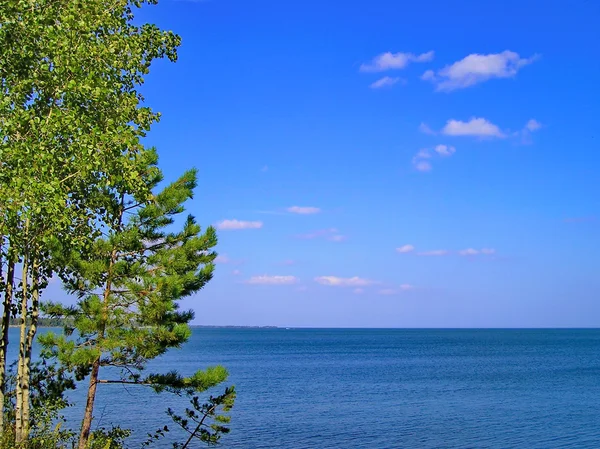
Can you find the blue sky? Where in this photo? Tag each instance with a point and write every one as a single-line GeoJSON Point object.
{"type": "Point", "coordinates": [389, 164]}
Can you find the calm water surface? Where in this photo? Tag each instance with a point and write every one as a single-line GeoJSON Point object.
{"type": "Point", "coordinates": [326, 388]}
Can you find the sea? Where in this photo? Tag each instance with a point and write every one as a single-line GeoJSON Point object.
{"type": "Point", "coordinates": [383, 388]}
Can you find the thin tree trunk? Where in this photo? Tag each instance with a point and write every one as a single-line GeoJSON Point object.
{"type": "Point", "coordinates": [7, 305]}
{"type": "Point", "coordinates": [35, 313]}
{"type": "Point", "coordinates": [6, 309]}
{"type": "Point", "coordinates": [88, 414]}
{"type": "Point", "coordinates": [19, 435]}
{"type": "Point", "coordinates": [3, 330]}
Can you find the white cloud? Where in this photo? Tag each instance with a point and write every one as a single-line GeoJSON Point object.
{"type": "Point", "coordinates": [222, 259]}
{"type": "Point", "coordinates": [421, 159]}
{"type": "Point", "coordinates": [533, 125]}
{"type": "Point", "coordinates": [328, 234]}
{"type": "Point", "coordinates": [358, 291]}
{"type": "Point", "coordinates": [425, 129]}
{"type": "Point", "coordinates": [530, 127]}
{"type": "Point", "coordinates": [477, 127]}
{"type": "Point", "coordinates": [469, 252]}
{"type": "Point", "coordinates": [436, 252]}
{"type": "Point", "coordinates": [386, 81]}
{"type": "Point", "coordinates": [236, 272]}
{"type": "Point", "coordinates": [476, 252]}
{"type": "Point", "coordinates": [422, 166]}
{"type": "Point", "coordinates": [423, 154]}
{"type": "Point", "coordinates": [344, 282]}
{"type": "Point", "coordinates": [429, 75]}
{"type": "Point", "coordinates": [238, 224]}
{"type": "Point", "coordinates": [303, 210]}
{"type": "Point", "coordinates": [225, 259]}
{"type": "Point", "coordinates": [476, 68]}
{"type": "Point", "coordinates": [418, 160]}
{"type": "Point", "coordinates": [394, 291]}
{"type": "Point", "coordinates": [445, 150]}
{"type": "Point", "coordinates": [272, 280]}
{"type": "Point", "coordinates": [405, 249]}
{"type": "Point", "coordinates": [390, 61]}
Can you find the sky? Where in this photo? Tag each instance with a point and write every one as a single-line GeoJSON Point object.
{"type": "Point", "coordinates": [388, 164]}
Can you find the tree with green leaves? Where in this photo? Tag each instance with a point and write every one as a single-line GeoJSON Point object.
{"type": "Point", "coordinates": [71, 124]}
{"type": "Point", "coordinates": [130, 284]}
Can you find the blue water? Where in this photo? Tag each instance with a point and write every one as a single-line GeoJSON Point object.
{"type": "Point", "coordinates": [302, 388]}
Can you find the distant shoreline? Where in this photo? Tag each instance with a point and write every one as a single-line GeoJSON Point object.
{"type": "Point", "coordinates": [231, 326]}
{"type": "Point", "coordinates": [191, 325]}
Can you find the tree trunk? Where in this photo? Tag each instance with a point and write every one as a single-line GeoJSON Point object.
{"type": "Point", "coordinates": [88, 414]}
{"type": "Point", "coordinates": [19, 428]}
{"type": "Point", "coordinates": [35, 313]}
{"type": "Point", "coordinates": [86, 424]}
{"type": "Point", "coordinates": [7, 304]}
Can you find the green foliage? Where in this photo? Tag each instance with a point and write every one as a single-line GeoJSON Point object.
{"type": "Point", "coordinates": [200, 381]}
{"type": "Point", "coordinates": [71, 118]}
{"type": "Point", "coordinates": [203, 422]}
{"type": "Point", "coordinates": [55, 439]}
{"type": "Point", "coordinates": [113, 438]}
{"type": "Point", "coordinates": [194, 420]}
{"type": "Point", "coordinates": [71, 128]}
{"type": "Point", "coordinates": [77, 199]}
{"type": "Point", "coordinates": [49, 383]}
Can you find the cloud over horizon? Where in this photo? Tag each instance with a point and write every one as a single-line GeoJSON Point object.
{"type": "Point", "coordinates": [476, 252]}
{"type": "Point", "coordinates": [386, 81]}
{"type": "Point", "coordinates": [445, 150]}
{"type": "Point", "coordinates": [422, 166]}
{"type": "Point", "coordinates": [394, 61]}
{"type": "Point", "coordinates": [477, 68]}
{"type": "Point", "coordinates": [303, 210]}
{"type": "Point", "coordinates": [475, 127]}
{"type": "Point", "coordinates": [272, 280]}
{"type": "Point", "coordinates": [425, 129]}
{"type": "Point", "coordinates": [331, 234]}
{"type": "Point", "coordinates": [405, 249]}
{"type": "Point", "coordinates": [238, 224]}
{"type": "Point", "coordinates": [530, 127]}
{"type": "Point", "coordinates": [435, 252]}
{"type": "Point", "coordinates": [335, 281]}
{"type": "Point", "coordinates": [444, 252]}
{"type": "Point", "coordinates": [395, 291]}
{"type": "Point", "coordinates": [422, 160]}
{"type": "Point", "coordinates": [222, 259]}
{"type": "Point", "coordinates": [533, 125]}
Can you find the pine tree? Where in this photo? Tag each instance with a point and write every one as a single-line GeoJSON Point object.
{"type": "Point", "coordinates": [130, 285]}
